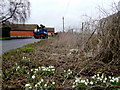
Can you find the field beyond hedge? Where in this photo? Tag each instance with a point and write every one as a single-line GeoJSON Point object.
{"type": "Point", "coordinates": [48, 65]}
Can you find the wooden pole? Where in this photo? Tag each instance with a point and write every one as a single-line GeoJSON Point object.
{"type": "Point", "coordinates": [63, 24]}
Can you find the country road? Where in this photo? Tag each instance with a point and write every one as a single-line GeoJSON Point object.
{"type": "Point", "coordinates": [16, 43]}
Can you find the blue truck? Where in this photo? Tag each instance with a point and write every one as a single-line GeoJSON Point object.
{"type": "Point", "coordinates": [40, 32]}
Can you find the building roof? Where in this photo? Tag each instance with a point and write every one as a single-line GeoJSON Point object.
{"type": "Point", "coordinates": [25, 27]}
{"type": "Point", "coordinates": [50, 29]}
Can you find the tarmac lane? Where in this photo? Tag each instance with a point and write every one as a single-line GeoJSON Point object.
{"type": "Point", "coordinates": [16, 43]}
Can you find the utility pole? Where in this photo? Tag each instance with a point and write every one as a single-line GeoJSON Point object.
{"type": "Point", "coordinates": [63, 24]}
{"type": "Point", "coordinates": [82, 26]}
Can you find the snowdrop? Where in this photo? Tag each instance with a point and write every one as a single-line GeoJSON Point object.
{"type": "Point", "coordinates": [27, 85]}
{"type": "Point", "coordinates": [53, 69]}
{"type": "Point", "coordinates": [36, 69]}
{"type": "Point", "coordinates": [51, 66]}
{"type": "Point", "coordinates": [23, 57]}
{"type": "Point", "coordinates": [42, 80]}
{"type": "Point", "coordinates": [73, 86]}
{"type": "Point", "coordinates": [105, 78]}
{"type": "Point", "coordinates": [36, 85]}
{"type": "Point", "coordinates": [91, 83]}
{"type": "Point", "coordinates": [98, 75]}
{"type": "Point", "coordinates": [76, 81]}
{"type": "Point", "coordinates": [33, 77]}
{"type": "Point", "coordinates": [53, 82]}
{"type": "Point", "coordinates": [82, 81]}
{"type": "Point", "coordinates": [45, 85]}
{"type": "Point", "coordinates": [31, 69]}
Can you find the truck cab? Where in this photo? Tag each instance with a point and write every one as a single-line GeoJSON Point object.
{"type": "Point", "coordinates": [40, 33]}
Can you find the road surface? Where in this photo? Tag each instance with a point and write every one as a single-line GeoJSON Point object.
{"type": "Point", "coordinates": [16, 43]}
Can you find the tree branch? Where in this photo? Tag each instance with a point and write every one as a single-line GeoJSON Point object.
{"type": "Point", "coordinates": [10, 15]}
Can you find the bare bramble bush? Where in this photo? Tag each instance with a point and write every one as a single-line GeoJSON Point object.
{"type": "Point", "coordinates": [99, 40]}
{"type": "Point", "coordinates": [109, 39]}
{"type": "Point", "coordinates": [68, 40]}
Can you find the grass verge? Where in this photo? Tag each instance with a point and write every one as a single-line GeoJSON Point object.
{"type": "Point", "coordinates": [45, 65]}
{"type": "Point", "coordinates": [9, 38]}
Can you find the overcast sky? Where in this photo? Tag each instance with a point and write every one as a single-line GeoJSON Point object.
{"type": "Point", "coordinates": [50, 12]}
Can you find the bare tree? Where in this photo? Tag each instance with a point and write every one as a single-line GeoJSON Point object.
{"type": "Point", "coordinates": [14, 10]}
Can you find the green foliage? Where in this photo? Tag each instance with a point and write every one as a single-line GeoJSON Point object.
{"type": "Point", "coordinates": [26, 48]}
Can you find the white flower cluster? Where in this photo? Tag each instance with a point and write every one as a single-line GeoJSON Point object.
{"type": "Point", "coordinates": [102, 78]}
{"type": "Point", "coordinates": [83, 81]}
{"type": "Point", "coordinates": [19, 68]}
{"type": "Point", "coordinates": [24, 57]}
{"type": "Point", "coordinates": [114, 79]}
{"type": "Point", "coordinates": [105, 79]}
{"type": "Point", "coordinates": [39, 85]}
{"type": "Point", "coordinates": [97, 79]}
{"type": "Point", "coordinates": [49, 69]}
{"type": "Point", "coordinates": [28, 86]}
{"type": "Point", "coordinates": [73, 51]}
{"type": "Point", "coordinates": [68, 73]}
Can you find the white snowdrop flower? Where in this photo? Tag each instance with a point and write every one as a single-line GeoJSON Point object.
{"type": "Point", "coordinates": [51, 66]}
{"type": "Point", "coordinates": [99, 78]}
{"type": "Point", "coordinates": [31, 69]}
{"type": "Point", "coordinates": [93, 77]}
{"type": "Point", "coordinates": [73, 86]}
{"type": "Point", "coordinates": [53, 82]}
{"type": "Point", "coordinates": [104, 81]}
{"type": "Point", "coordinates": [87, 80]}
{"type": "Point", "coordinates": [102, 76]}
{"type": "Point", "coordinates": [117, 79]}
{"type": "Point", "coordinates": [30, 87]}
{"type": "Point", "coordinates": [76, 81]}
{"type": "Point", "coordinates": [42, 80]}
{"type": "Point", "coordinates": [111, 80]}
{"type": "Point", "coordinates": [82, 81]}
{"type": "Point", "coordinates": [105, 78]}
{"type": "Point", "coordinates": [69, 70]}
{"type": "Point", "coordinates": [86, 83]}
{"type": "Point", "coordinates": [91, 82]}
{"type": "Point", "coordinates": [48, 70]}
{"type": "Point", "coordinates": [36, 69]}
{"type": "Point", "coordinates": [33, 77]}
{"type": "Point", "coordinates": [36, 85]}
{"type": "Point", "coordinates": [98, 75]}
{"type": "Point", "coordinates": [45, 85]}
{"type": "Point", "coordinates": [109, 77]}
{"type": "Point", "coordinates": [23, 57]}
{"type": "Point", "coordinates": [53, 69]}
{"type": "Point", "coordinates": [39, 67]}
{"type": "Point", "coordinates": [44, 69]}
{"type": "Point", "coordinates": [27, 85]}
{"type": "Point", "coordinates": [18, 67]}
{"type": "Point", "coordinates": [39, 83]}
{"type": "Point", "coordinates": [28, 73]}
{"type": "Point", "coordinates": [64, 70]}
